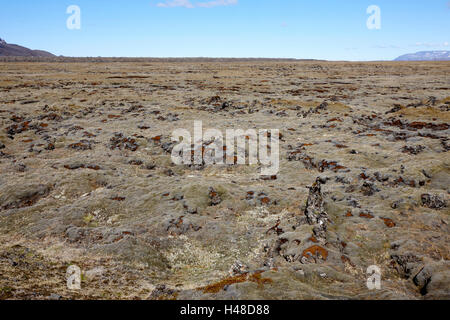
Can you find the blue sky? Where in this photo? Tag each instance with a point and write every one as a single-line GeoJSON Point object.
{"type": "Point", "coordinates": [319, 29]}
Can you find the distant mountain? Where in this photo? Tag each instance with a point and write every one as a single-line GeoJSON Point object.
{"type": "Point", "coordinates": [425, 56]}
{"type": "Point", "coordinates": [14, 50]}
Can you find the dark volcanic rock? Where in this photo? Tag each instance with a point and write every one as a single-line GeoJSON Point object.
{"type": "Point", "coordinates": [119, 141]}
{"type": "Point", "coordinates": [214, 197]}
{"type": "Point", "coordinates": [433, 201]}
{"type": "Point", "coordinates": [315, 211]}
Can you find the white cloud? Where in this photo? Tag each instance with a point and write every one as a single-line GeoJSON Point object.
{"type": "Point", "coordinates": [216, 3]}
{"type": "Point", "coordinates": [386, 46]}
{"type": "Point", "coordinates": [190, 5]}
{"type": "Point", "coordinates": [430, 44]}
{"type": "Point", "coordinates": [175, 3]}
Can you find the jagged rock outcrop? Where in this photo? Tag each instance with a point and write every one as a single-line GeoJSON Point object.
{"type": "Point", "coordinates": [315, 212]}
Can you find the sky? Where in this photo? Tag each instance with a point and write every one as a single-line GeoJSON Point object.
{"type": "Point", "coordinates": [302, 29]}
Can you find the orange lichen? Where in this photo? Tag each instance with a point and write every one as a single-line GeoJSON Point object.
{"type": "Point", "coordinates": [366, 215]}
{"type": "Point", "coordinates": [256, 277]}
{"type": "Point", "coordinates": [212, 194]}
{"type": "Point", "coordinates": [389, 222]}
{"type": "Point", "coordinates": [346, 260]}
{"type": "Point", "coordinates": [265, 200]}
{"type": "Point", "coordinates": [315, 251]}
{"type": "Point", "coordinates": [219, 286]}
